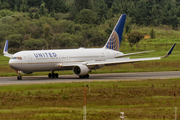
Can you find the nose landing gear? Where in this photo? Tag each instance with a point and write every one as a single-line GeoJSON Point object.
{"type": "Point", "coordinates": [19, 77]}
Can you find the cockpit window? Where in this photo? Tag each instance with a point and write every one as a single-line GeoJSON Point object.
{"type": "Point", "coordinates": [19, 58]}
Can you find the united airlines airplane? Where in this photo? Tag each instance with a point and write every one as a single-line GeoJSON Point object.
{"type": "Point", "coordinates": [81, 61]}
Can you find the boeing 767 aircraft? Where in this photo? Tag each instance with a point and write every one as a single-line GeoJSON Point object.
{"type": "Point", "coordinates": [81, 61]}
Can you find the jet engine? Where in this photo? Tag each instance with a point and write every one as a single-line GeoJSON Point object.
{"type": "Point", "coordinates": [80, 70]}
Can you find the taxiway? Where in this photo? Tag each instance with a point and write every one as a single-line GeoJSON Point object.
{"type": "Point", "coordinates": [93, 77]}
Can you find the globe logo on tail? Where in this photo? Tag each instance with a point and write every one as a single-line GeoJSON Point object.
{"type": "Point", "coordinates": [113, 42]}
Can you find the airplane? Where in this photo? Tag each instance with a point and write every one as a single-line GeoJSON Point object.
{"type": "Point", "coordinates": [81, 61]}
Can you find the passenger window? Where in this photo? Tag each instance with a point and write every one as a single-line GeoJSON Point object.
{"type": "Point", "coordinates": [19, 58]}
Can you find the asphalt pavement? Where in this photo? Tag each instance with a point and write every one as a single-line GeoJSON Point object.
{"type": "Point", "coordinates": [93, 77]}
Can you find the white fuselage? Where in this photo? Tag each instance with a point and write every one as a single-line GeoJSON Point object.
{"type": "Point", "coordinates": [55, 60]}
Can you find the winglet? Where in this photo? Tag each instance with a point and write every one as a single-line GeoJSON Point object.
{"type": "Point", "coordinates": [170, 51]}
{"type": "Point", "coordinates": [5, 51]}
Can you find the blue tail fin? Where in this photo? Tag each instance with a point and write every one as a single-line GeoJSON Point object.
{"type": "Point", "coordinates": [114, 40]}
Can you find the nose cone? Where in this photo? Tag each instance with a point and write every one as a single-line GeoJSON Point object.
{"type": "Point", "coordinates": [13, 64]}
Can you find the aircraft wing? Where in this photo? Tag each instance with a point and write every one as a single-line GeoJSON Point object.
{"type": "Point", "coordinates": [121, 61]}
{"type": "Point", "coordinates": [128, 60]}
{"type": "Point", "coordinates": [109, 62]}
{"type": "Point", "coordinates": [117, 61]}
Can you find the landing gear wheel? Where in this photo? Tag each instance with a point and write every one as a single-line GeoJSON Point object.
{"type": "Point", "coordinates": [19, 77]}
{"type": "Point", "coordinates": [84, 76]}
{"type": "Point", "coordinates": [53, 75]}
{"type": "Point", "coordinates": [50, 75]}
{"type": "Point", "coordinates": [56, 75]}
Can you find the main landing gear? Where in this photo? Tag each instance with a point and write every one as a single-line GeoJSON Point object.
{"type": "Point", "coordinates": [19, 77]}
{"type": "Point", "coordinates": [84, 76]}
{"type": "Point", "coordinates": [53, 75]}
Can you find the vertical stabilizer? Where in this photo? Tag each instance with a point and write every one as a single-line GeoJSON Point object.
{"type": "Point", "coordinates": [114, 40]}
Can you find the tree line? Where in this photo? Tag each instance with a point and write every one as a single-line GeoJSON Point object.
{"type": "Point", "coordinates": [74, 23]}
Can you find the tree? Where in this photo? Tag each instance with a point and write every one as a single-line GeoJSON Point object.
{"type": "Point", "coordinates": [59, 6]}
{"type": "Point", "coordinates": [15, 40]}
{"type": "Point", "coordinates": [43, 10]}
{"type": "Point", "coordinates": [52, 14]}
{"type": "Point", "coordinates": [4, 13]}
{"type": "Point", "coordinates": [34, 43]}
{"type": "Point", "coordinates": [134, 38]}
{"type": "Point", "coordinates": [16, 8]}
{"type": "Point", "coordinates": [152, 34]}
{"type": "Point", "coordinates": [109, 3]}
{"type": "Point", "coordinates": [30, 14]}
{"type": "Point", "coordinates": [140, 13]}
{"type": "Point", "coordinates": [101, 9]}
{"type": "Point", "coordinates": [128, 28]}
{"type": "Point", "coordinates": [24, 6]}
{"type": "Point", "coordinates": [48, 34]}
{"type": "Point", "coordinates": [73, 11]}
{"type": "Point", "coordinates": [68, 40]}
{"type": "Point", "coordinates": [73, 28]}
{"type": "Point", "coordinates": [36, 16]}
{"type": "Point", "coordinates": [170, 14]}
{"type": "Point", "coordinates": [117, 6]}
{"type": "Point", "coordinates": [82, 4]}
{"type": "Point", "coordinates": [0, 5]}
{"type": "Point", "coordinates": [34, 3]}
{"type": "Point", "coordinates": [34, 30]}
{"type": "Point", "coordinates": [5, 5]}
{"type": "Point", "coordinates": [86, 16]}
{"type": "Point", "coordinates": [96, 37]}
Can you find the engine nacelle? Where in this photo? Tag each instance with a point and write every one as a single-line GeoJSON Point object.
{"type": "Point", "coordinates": [80, 70]}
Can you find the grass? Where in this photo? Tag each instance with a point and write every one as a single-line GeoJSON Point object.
{"type": "Point", "coordinates": [142, 99]}
{"type": "Point", "coordinates": [163, 34]}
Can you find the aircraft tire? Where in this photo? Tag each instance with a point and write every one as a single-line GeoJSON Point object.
{"type": "Point", "coordinates": [19, 77]}
{"type": "Point", "coordinates": [50, 75]}
{"type": "Point", "coordinates": [84, 76]}
{"type": "Point", "coordinates": [53, 75]}
{"type": "Point", "coordinates": [56, 75]}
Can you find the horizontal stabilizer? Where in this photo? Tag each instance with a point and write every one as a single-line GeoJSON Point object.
{"type": "Point", "coordinates": [133, 53]}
